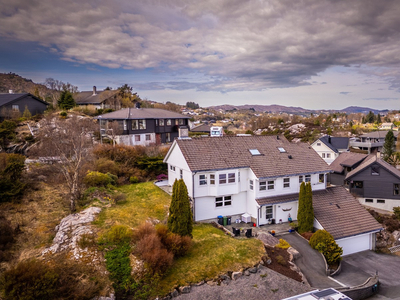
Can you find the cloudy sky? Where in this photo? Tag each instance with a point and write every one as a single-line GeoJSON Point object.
{"type": "Point", "coordinates": [315, 54]}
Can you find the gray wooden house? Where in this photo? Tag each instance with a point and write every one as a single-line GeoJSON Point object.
{"type": "Point", "coordinates": [14, 104]}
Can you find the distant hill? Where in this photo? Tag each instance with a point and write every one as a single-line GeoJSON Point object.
{"type": "Point", "coordinates": [18, 84]}
{"type": "Point", "coordinates": [274, 108]}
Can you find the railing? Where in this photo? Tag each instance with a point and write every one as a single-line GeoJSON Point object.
{"type": "Point", "coordinates": [394, 249]}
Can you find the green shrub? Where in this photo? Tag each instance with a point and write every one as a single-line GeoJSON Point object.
{"type": "Point", "coordinates": [11, 168]}
{"type": "Point", "coordinates": [105, 165]}
{"type": "Point", "coordinates": [30, 280]}
{"type": "Point", "coordinates": [280, 260]}
{"type": "Point", "coordinates": [283, 244]}
{"type": "Point", "coordinates": [324, 242]}
{"type": "Point", "coordinates": [116, 235]}
{"type": "Point", "coordinates": [63, 114]}
{"type": "Point", "coordinates": [133, 179]}
{"type": "Point", "coordinates": [86, 240]}
{"type": "Point", "coordinates": [6, 237]}
{"type": "Point", "coordinates": [99, 179]}
{"type": "Point", "coordinates": [396, 211]}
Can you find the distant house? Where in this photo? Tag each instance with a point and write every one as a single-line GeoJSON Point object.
{"type": "Point", "coordinates": [343, 164]}
{"type": "Point", "coordinates": [329, 147]}
{"type": "Point", "coordinates": [100, 99]}
{"type": "Point", "coordinates": [376, 183]}
{"type": "Point", "coordinates": [202, 128]}
{"type": "Point", "coordinates": [16, 103]}
{"type": "Point", "coordinates": [143, 126]}
{"type": "Point", "coordinates": [386, 126]}
{"type": "Point", "coordinates": [371, 141]}
{"type": "Point", "coordinates": [257, 179]}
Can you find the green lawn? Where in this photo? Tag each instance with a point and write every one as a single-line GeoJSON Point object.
{"type": "Point", "coordinates": [212, 253]}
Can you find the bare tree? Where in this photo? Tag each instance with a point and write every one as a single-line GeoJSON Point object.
{"type": "Point", "coordinates": [68, 142]}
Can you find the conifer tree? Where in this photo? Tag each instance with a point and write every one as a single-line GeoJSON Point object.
{"type": "Point", "coordinates": [387, 150]}
{"type": "Point", "coordinates": [309, 224]}
{"type": "Point", "coordinates": [27, 114]}
{"type": "Point", "coordinates": [180, 220]}
{"type": "Point", "coordinates": [301, 210]}
{"type": "Point", "coordinates": [66, 101]}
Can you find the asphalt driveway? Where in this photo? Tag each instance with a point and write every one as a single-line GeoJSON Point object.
{"type": "Point", "coordinates": [368, 263]}
{"type": "Point", "coordinates": [310, 262]}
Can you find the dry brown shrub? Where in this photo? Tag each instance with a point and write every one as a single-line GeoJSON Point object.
{"type": "Point", "coordinates": [280, 260]}
{"type": "Point", "coordinates": [307, 235]}
{"type": "Point", "coordinates": [178, 245]}
{"type": "Point", "coordinates": [143, 230]}
{"type": "Point", "coordinates": [105, 165]}
{"type": "Point", "coordinates": [152, 251]}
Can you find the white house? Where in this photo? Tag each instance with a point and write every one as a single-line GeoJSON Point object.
{"type": "Point", "coordinates": [329, 147]}
{"type": "Point", "coordinates": [249, 176]}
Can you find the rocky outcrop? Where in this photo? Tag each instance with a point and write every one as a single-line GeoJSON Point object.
{"type": "Point", "coordinates": [70, 231]}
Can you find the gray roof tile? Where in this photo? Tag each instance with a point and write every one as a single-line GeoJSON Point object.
{"type": "Point", "coordinates": [346, 159]}
{"type": "Point", "coordinates": [142, 113]}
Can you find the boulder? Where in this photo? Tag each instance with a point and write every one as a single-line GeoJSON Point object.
{"type": "Point", "coordinates": [253, 270]}
{"type": "Point", "coordinates": [236, 275]}
{"type": "Point", "coordinates": [184, 289]}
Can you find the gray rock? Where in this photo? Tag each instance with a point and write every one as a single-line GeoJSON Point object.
{"type": "Point", "coordinates": [184, 289]}
{"type": "Point", "coordinates": [174, 293]}
{"type": "Point", "coordinates": [294, 252]}
{"type": "Point", "coordinates": [211, 283]}
{"type": "Point", "coordinates": [200, 283]}
{"type": "Point", "coordinates": [236, 275]}
{"type": "Point", "coordinates": [225, 277]}
{"type": "Point", "coordinates": [247, 273]}
{"type": "Point", "coordinates": [253, 270]}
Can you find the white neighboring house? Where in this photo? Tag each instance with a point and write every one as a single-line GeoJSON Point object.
{"type": "Point", "coordinates": [329, 147]}
{"type": "Point", "coordinates": [258, 178]}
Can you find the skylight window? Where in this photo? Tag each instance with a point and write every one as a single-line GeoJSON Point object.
{"type": "Point", "coordinates": [281, 150]}
{"type": "Point", "coordinates": [254, 152]}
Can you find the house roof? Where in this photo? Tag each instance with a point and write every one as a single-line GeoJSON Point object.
{"type": "Point", "coordinates": [9, 98]}
{"type": "Point", "coordinates": [88, 97]}
{"type": "Point", "coordinates": [335, 143]}
{"type": "Point", "coordinates": [378, 134]}
{"type": "Point", "coordinates": [346, 159]}
{"type": "Point", "coordinates": [341, 214]}
{"type": "Point", "coordinates": [142, 113]}
{"type": "Point", "coordinates": [371, 159]}
{"type": "Point", "coordinates": [219, 153]}
{"type": "Point", "coordinates": [277, 199]}
{"type": "Point", "coordinates": [201, 128]}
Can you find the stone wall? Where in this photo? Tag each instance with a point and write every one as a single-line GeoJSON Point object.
{"type": "Point", "coordinates": [363, 291]}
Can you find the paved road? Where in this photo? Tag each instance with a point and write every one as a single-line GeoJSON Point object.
{"type": "Point", "coordinates": [368, 263]}
{"type": "Point", "coordinates": [310, 262]}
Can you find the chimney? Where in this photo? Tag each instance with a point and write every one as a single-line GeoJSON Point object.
{"type": "Point", "coordinates": [137, 105]}
{"type": "Point", "coordinates": [10, 91]}
{"type": "Point", "coordinates": [329, 139]}
{"type": "Point", "coordinates": [94, 90]}
{"type": "Point", "coordinates": [183, 132]}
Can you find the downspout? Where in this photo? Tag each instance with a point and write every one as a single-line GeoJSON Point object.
{"type": "Point", "coordinates": [193, 209]}
{"type": "Point", "coordinates": [258, 217]}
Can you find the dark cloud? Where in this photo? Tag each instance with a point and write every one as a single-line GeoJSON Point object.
{"type": "Point", "coordinates": [381, 99]}
{"type": "Point", "coordinates": [237, 45]}
{"type": "Point", "coordinates": [345, 93]}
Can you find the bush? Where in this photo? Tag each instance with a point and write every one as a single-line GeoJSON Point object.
{"type": "Point", "coordinates": [105, 165]}
{"type": "Point", "coordinates": [283, 244]}
{"type": "Point", "coordinates": [280, 260]}
{"type": "Point", "coordinates": [63, 114]}
{"type": "Point", "coordinates": [307, 235]}
{"type": "Point", "coordinates": [396, 211]}
{"type": "Point", "coordinates": [178, 245]}
{"type": "Point", "coordinates": [116, 235]}
{"type": "Point", "coordinates": [391, 224]}
{"type": "Point", "coordinates": [11, 168]}
{"type": "Point", "coordinates": [99, 179]}
{"type": "Point", "coordinates": [323, 241]}
{"type": "Point", "coordinates": [6, 237]}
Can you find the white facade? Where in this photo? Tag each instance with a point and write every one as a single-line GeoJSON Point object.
{"type": "Point", "coordinates": [143, 139]}
{"type": "Point", "coordinates": [380, 203]}
{"type": "Point", "coordinates": [357, 243]}
{"type": "Point", "coordinates": [327, 154]}
{"type": "Point", "coordinates": [234, 191]}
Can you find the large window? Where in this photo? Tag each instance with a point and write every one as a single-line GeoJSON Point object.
{"type": "Point", "coordinates": [15, 107]}
{"type": "Point", "coordinates": [148, 137]}
{"type": "Point", "coordinates": [181, 121]}
{"type": "Point", "coordinates": [263, 186]}
{"type": "Point", "coordinates": [169, 123]}
{"type": "Point", "coordinates": [301, 178]}
{"type": "Point", "coordinates": [268, 212]}
{"type": "Point", "coordinates": [251, 184]}
{"type": "Point", "coordinates": [203, 179]}
{"type": "Point", "coordinates": [308, 178]}
{"type": "Point", "coordinates": [161, 122]}
{"type": "Point", "coordinates": [231, 177]}
{"type": "Point", "coordinates": [396, 189]}
{"type": "Point", "coordinates": [271, 184]}
{"type": "Point", "coordinates": [212, 179]}
{"type": "Point", "coordinates": [223, 201]}
{"type": "Point", "coordinates": [286, 182]}
{"type": "Point", "coordinates": [138, 124]}
{"type": "Point", "coordinates": [222, 178]}
{"type": "Point", "coordinates": [322, 178]}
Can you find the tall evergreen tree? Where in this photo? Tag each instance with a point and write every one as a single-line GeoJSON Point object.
{"type": "Point", "coordinates": [180, 220]}
{"type": "Point", "coordinates": [309, 224]}
{"type": "Point", "coordinates": [301, 216]}
{"type": "Point", "coordinates": [387, 150]}
{"type": "Point", "coordinates": [66, 100]}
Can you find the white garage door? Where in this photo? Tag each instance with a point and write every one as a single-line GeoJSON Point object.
{"type": "Point", "coordinates": [355, 244]}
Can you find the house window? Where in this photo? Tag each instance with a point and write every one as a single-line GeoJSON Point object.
{"type": "Point", "coordinates": [380, 201]}
{"type": "Point", "coordinates": [181, 174]}
{"type": "Point", "coordinates": [138, 124]}
{"type": "Point", "coordinates": [169, 122]}
{"type": "Point", "coordinates": [328, 155]}
{"type": "Point", "coordinates": [268, 212]}
{"type": "Point", "coordinates": [168, 137]}
{"type": "Point", "coordinates": [231, 177]}
{"type": "Point", "coordinates": [223, 201]}
{"type": "Point", "coordinates": [181, 122]}
{"type": "Point", "coordinates": [323, 155]}
{"type": "Point", "coordinates": [396, 188]}
{"type": "Point", "coordinates": [161, 121]}
{"type": "Point", "coordinates": [308, 178]}
{"type": "Point", "coordinates": [321, 178]}
{"type": "Point", "coordinates": [263, 185]}
{"type": "Point", "coordinates": [15, 107]}
{"type": "Point", "coordinates": [202, 179]}
{"type": "Point", "coordinates": [358, 184]}
{"type": "Point", "coordinates": [318, 144]}
{"type": "Point", "coordinates": [212, 178]}
{"type": "Point", "coordinates": [148, 137]}
{"type": "Point", "coordinates": [251, 185]}
{"type": "Point", "coordinates": [137, 138]}
{"type": "Point", "coordinates": [375, 170]}
{"type": "Point", "coordinates": [369, 200]}
{"type": "Point", "coordinates": [301, 179]}
{"type": "Point", "coordinates": [286, 182]}
{"type": "Point", "coordinates": [271, 184]}
{"type": "Point", "coordinates": [222, 178]}
{"type": "Point", "coordinates": [172, 168]}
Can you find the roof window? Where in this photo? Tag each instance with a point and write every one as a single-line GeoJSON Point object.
{"type": "Point", "coordinates": [254, 152]}
{"type": "Point", "coordinates": [281, 149]}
